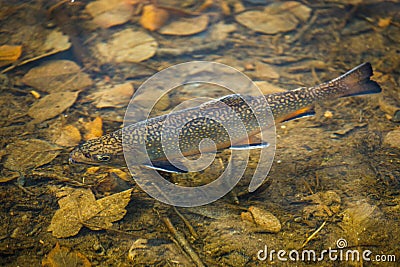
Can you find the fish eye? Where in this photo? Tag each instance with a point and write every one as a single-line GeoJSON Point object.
{"type": "Point", "coordinates": [87, 155]}
{"type": "Point", "coordinates": [103, 157]}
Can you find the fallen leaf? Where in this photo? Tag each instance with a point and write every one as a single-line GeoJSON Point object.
{"type": "Point", "coordinates": [108, 13]}
{"type": "Point", "coordinates": [39, 43]}
{"type": "Point", "coordinates": [93, 128]}
{"type": "Point", "coordinates": [220, 31]}
{"type": "Point", "coordinates": [384, 22]}
{"type": "Point", "coordinates": [69, 136]}
{"type": "Point", "coordinates": [276, 17]}
{"type": "Point", "coordinates": [127, 46]}
{"type": "Point", "coordinates": [10, 52]}
{"type": "Point", "coordinates": [57, 76]}
{"type": "Point", "coordinates": [117, 96]}
{"type": "Point", "coordinates": [121, 174]}
{"type": "Point", "coordinates": [55, 42]}
{"type": "Point", "coordinates": [64, 257]}
{"type": "Point", "coordinates": [266, 71]}
{"type": "Point", "coordinates": [186, 26]}
{"type": "Point", "coordinates": [153, 17]}
{"type": "Point", "coordinates": [52, 105]}
{"type": "Point", "coordinates": [78, 208]}
{"type": "Point", "coordinates": [29, 154]}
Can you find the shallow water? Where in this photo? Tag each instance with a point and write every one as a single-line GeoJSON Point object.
{"type": "Point", "coordinates": [335, 178]}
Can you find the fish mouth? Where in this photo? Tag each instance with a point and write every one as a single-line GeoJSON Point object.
{"type": "Point", "coordinates": [76, 157]}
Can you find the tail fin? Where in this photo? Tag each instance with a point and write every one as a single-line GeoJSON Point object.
{"type": "Point", "coordinates": [357, 81]}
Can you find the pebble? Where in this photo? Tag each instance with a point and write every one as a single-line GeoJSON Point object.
{"type": "Point", "coordinates": [392, 139]}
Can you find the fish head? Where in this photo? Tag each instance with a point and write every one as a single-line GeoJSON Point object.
{"type": "Point", "coordinates": [99, 151]}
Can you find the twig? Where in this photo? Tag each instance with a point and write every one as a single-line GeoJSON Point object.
{"type": "Point", "coordinates": [304, 29]}
{"type": "Point", "coordinates": [313, 234]}
{"type": "Point", "coordinates": [182, 242]}
{"type": "Point", "coordinates": [58, 178]}
{"type": "Point", "coordinates": [187, 223]}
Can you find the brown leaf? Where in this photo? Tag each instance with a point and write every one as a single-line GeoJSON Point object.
{"type": "Point", "coordinates": [57, 76]}
{"type": "Point", "coordinates": [108, 13]}
{"type": "Point", "coordinates": [52, 105]}
{"type": "Point", "coordinates": [118, 96]}
{"type": "Point", "coordinates": [93, 128]}
{"type": "Point", "coordinates": [69, 136]}
{"type": "Point", "coordinates": [153, 17]}
{"type": "Point", "coordinates": [275, 18]}
{"type": "Point", "coordinates": [127, 46]}
{"type": "Point", "coordinates": [186, 26]}
{"type": "Point", "coordinates": [64, 257]}
{"type": "Point", "coordinates": [28, 154]}
{"type": "Point", "coordinates": [78, 207]}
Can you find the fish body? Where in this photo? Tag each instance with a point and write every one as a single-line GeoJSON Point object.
{"type": "Point", "coordinates": [201, 122]}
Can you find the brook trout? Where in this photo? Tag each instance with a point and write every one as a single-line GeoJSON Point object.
{"type": "Point", "coordinates": [108, 149]}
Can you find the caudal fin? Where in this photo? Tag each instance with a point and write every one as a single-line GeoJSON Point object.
{"type": "Point", "coordinates": [357, 81]}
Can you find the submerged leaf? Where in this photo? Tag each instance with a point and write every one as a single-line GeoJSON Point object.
{"type": "Point", "coordinates": [10, 52]}
{"type": "Point", "coordinates": [57, 76]}
{"type": "Point", "coordinates": [127, 46]}
{"type": "Point", "coordinates": [52, 105]}
{"type": "Point", "coordinates": [117, 96]}
{"type": "Point", "coordinates": [64, 257]}
{"type": "Point", "coordinates": [94, 128]}
{"type": "Point", "coordinates": [80, 208]}
{"type": "Point", "coordinates": [28, 154]}
{"type": "Point", "coordinates": [68, 136]}
{"type": "Point", "coordinates": [153, 17]}
{"type": "Point", "coordinates": [186, 26]}
{"type": "Point", "coordinates": [108, 13]}
{"type": "Point", "coordinates": [275, 18]}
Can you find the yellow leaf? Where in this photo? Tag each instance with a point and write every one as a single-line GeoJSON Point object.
{"type": "Point", "coordinates": [63, 256]}
{"type": "Point", "coordinates": [153, 17]}
{"type": "Point", "coordinates": [384, 22]}
{"type": "Point", "coordinates": [10, 52]}
{"type": "Point", "coordinates": [94, 128]}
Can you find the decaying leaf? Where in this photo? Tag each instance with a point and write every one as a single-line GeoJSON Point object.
{"type": "Point", "coordinates": [28, 154]}
{"type": "Point", "coordinates": [93, 128]}
{"type": "Point", "coordinates": [39, 43]}
{"type": "Point", "coordinates": [52, 105]}
{"type": "Point", "coordinates": [10, 52]}
{"type": "Point", "coordinates": [276, 17]}
{"type": "Point", "coordinates": [186, 26]}
{"type": "Point", "coordinates": [266, 71]}
{"type": "Point", "coordinates": [108, 13]}
{"type": "Point", "coordinates": [55, 42]}
{"type": "Point", "coordinates": [117, 96]}
{"type": "Point", "coordinates": [153, 17]}
{"type": "Point", "coordinates": [78, 207]}
{"type": "Point", "coordinates": [127, 46]}
{"type": "Point", "coordinates": [64, 257]}
{"type": "Point", "coordinates": [57, 76]}
{"type": "Point", "coordinates": [68, 136]}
